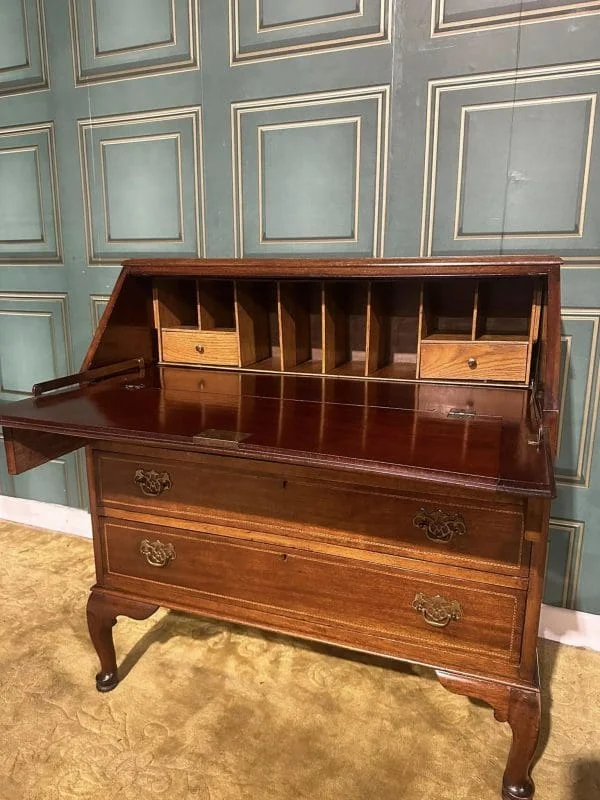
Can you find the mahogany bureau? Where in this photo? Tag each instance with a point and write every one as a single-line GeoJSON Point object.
{"type": "Point", "coordinates": [357, 452]}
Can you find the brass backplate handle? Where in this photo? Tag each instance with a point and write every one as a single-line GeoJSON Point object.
{"type": "Point", "coordinates": [152, 482]}
{"type": "Point", "coordinates": [440, 526]}
{"type": "Point", "coordinates": [156, 553]}
{"type": "Point", "coordinates": [437, 611]}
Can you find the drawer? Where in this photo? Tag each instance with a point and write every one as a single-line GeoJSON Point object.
{"type": "Point", "coordinates": [192, 346]}
{"type": "Point", "coordinates": [226, 577]}
{"type": "Point", "coordinates": [248, 496]}
{"type": "Point", "coordinates": [479, 360]}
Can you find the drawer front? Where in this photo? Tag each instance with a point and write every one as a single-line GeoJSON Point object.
{"type": "Point", "coordinates": [392, 604]}
{"type": "Point", "coordinates": [247, 496]}
{"type": "Point", "coordinates": [190, 346]}
{"type": "Point", "coordinates": [500, 361]}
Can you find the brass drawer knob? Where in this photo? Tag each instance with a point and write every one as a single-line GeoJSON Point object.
{"type": "Point", "coordinates": [440, 526]}
{"type": "Point", "coordinates": [472, 362]}
{"type": "Point", "coordinates": [152, 482]}
{"type": "Point", "coordinates": [200, 348]}
{"type": "Point", "coordinates": [437, 611]}
{"type": "Point", "coordinates": [156, 553]}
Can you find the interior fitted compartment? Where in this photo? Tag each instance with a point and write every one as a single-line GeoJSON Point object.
{"type": "Point", "coordinates": [301, 335]}
{"type": "Point", "coordinates": [465, 329]}
{"type": "Point", "coordinates": [393, 329]}
{"type": "Point", "coordinates": [344, 327]}
{"type": "Point", "coordinates": [448, 309]}
{"type": "Point", "coordinates": [257, 324]}
{"type": "Point", "coordinates": [216, 305]}
{"type": "Point", "coordinates": [503, 313]}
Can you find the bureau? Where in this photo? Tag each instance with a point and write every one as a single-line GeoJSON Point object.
{"type": "Point", "coordinates": [357, 452]}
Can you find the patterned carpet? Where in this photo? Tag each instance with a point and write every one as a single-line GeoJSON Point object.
{"type": "Point", "coordinates": [209, 711]}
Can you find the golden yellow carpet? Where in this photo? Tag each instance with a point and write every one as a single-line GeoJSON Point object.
{"type": "Point", "coordinates": [209, 711]}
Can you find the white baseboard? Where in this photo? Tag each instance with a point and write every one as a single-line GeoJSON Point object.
{"type": "Point", "coordinates": [46, 515]}
{"type": "Point", "coordinates": [559, 624]}
{"type": "Point", "coordinates": [570, 627]}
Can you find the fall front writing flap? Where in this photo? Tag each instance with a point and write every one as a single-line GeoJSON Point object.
{"type": "Point", "coordinates": [486, 452]}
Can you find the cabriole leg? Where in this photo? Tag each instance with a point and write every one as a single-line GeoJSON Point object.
{"type": "Point", "coordinates": [102, 613]}
{"type": "Point", "coordinates": [521, 708]}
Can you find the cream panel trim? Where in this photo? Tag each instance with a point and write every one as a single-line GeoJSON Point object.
{"type": "Point", "coordinates": [356, 121]}
{"type": "Point", "coordinates": [583, 262]}
{"type": "Point", "coordinates": [44, 315]}
{"type": "Point", "coordinates": [42, 83]}
{"type": "Point", "coordinates": [341, 42]}
{"type": "Point", "coordinates": [440, 27]}
{"type": "Point", "coordinates": [63, 306]}
{"type": "Point", "coordinates": [194, 114]}
{"type": "Point", "coordinates": [140, 48]}
{"type": "Point", "coordinates": [40, 259]}
{"type": "Point", "coordinates": [544, 101]}
{"type": "Point", "coordinates": [587, 433]}
{"type": "Point", "coordinates": [96, 300]}
{"type": "Point", "coordinates": [440, 86]}
{"type": "Point", "coordinates": [36, 155]}
{"type": "Point", "coordinates": [358, 12]}
{"type": "Point", "coordinates": [108, 239]}
{"type": "Point", "coordinates": [574, 529]}
{"type": "Point", "coordinates": [378, 93]}
{"type": "Point", "coordinates": [190, 61]}
{"type": "Point", "coordinates": [564, 367]}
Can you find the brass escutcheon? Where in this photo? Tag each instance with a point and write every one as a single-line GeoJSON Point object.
{"type": "Point", "coordinates": [439, 526]}
{"type": "Point", "coordinates": [152, 482]}
{"type": "Point", "coordinates": [156, 553]}
{"type": "Point", "coordinates": [437, 611]}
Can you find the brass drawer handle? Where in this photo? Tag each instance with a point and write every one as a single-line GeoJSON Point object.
{"type": "Point", "coordinates": [152, 482]}
{"type": "Point", "coordinates": [440, 526]}
{"type": "Point", "coordinates": [200, 348]}
{"type": "Point", "coordinates": [472, 362]}
{"type": "Point", "coordinates": [156, 553]}
{"type": "Point", "coordinates": [437, 611]}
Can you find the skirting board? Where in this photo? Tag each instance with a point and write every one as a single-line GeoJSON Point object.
{"type": "Point", "coordinates": [559, 624]}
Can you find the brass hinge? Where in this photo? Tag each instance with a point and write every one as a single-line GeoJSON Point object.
{"type": "Point", "coordinates": [537, 442]}
{"type": "Point", "coordinates": [462, 413]}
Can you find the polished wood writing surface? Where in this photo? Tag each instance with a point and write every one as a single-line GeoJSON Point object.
{"type": "Point", "coordinates": [353, 451]}
{"type": "Point", "coordinates": [484, 451]}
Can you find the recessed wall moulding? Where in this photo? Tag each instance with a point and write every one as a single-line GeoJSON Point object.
{"type": "Point", "coordinates": [262, 30]}
{"type": "Point", "coordinates": [113, 40]}
{"type": "Point", "coordinates": [461, 16]}
{"type": "Point", "coordinates": [29, 206]}
{"type": "Point", "coordinates": [142, 184]}
{"type": "Point", "coordinates": [23, 56]}
{"type": "Point", "coordinates": [488, 181]}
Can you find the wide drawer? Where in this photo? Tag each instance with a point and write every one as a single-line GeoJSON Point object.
{"type": "Point", "coordinates": [191, 346]}
{"type": "Point", "coordinates": [226, 576]}
{"type": "Point", "coordinates": [247, 495]}
{"type": "Point", "coordinates": [479, 360]}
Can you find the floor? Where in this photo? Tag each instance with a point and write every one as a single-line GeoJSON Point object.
{"type": "Point", "coordinates": [209, 711]}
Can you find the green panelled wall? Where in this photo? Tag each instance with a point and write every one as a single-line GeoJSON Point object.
{"type": "Point", "coordinates": [319, 127]}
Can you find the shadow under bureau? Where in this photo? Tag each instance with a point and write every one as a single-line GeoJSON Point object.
{"type": "Point", "coordinates": [357, 452]}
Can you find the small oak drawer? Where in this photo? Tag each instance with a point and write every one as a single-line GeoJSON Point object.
{"type": "Point", "coordinates": [191, 346]}
{"type": "Point", "coordinates": [228, 577]}
{"type": "Point", "coordinates": [478, 360]}
{"type": "Point", "coordinates": [245, 496]}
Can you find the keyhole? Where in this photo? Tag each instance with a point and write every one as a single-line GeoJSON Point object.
{"type": "Point", "coordinates": [283, 557]}
{"type": "Point", "coordinates": [284, 485]}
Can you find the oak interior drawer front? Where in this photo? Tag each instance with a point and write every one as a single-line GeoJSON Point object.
{"type": "Point", "coordinates": [386, 602]}
{"type": "Point", "coordinates": [191, 346]}
{"type": "Point", "coordinates": [460, 533]}
{"type": "Point", "coordinates": [479, 360]}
